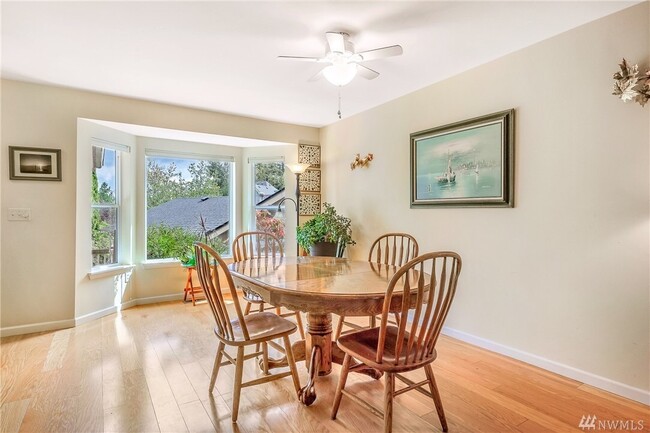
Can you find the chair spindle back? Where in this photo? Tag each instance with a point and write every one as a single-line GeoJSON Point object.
{"type": "Point", "coordinates": [393, 249]}
{"type": "Point", "coordinates": [213, 274]}
{"type": "Point", "coordinates": [253, 245]}
{"type": "Point", "coordinates": [431, 278]}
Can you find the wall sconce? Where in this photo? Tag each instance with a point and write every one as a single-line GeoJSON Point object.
{"type": "Point", "coordinates": [361, 162]}
{"type": "Point", "coordinates": [631, 85]}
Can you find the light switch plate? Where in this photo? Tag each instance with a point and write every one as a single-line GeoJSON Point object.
{"type": "Point", "coordinates": [20, 214]}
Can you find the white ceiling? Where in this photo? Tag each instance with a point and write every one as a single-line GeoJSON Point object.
{"type": "Point", "coordinates": [221, 56]}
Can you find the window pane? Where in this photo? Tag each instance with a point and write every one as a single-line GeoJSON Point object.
{"type": "Point", "coordinates": [104, 176]}
{"type": "Point", "coordinates": [187, 200]}
{"type": "Point", "coordinates": [104, 235]}
{"type": "Point", "coordinates": [269, 190]}
{"type": "Point", "coordinates": [105, 212]}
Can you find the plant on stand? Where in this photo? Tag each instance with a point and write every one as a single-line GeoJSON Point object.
{"type": "Point", "coordinates": [326, 234]}
{"type": "Point", "coordinates": [186, 255]}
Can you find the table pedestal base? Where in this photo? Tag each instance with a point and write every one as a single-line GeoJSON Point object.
{"type": "Point", "coordinates": [322, 352]}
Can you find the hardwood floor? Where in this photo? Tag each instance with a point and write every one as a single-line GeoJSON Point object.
{"type": "Point", "coordinates": [147, 369]}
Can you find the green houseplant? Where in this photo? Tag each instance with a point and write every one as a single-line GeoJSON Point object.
{"type": "Point", "coordinates": [327, 227]}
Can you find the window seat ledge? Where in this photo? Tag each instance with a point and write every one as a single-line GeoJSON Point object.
{"type": "Point", "coordinates": [109, 271]}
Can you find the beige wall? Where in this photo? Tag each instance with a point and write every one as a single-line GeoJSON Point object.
{"type": "Point", "coordinates": [38, 257]}
{"type": "Point", "coordinates": [564, 275]}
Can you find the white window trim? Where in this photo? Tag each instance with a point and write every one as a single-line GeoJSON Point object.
{"type": "Point", "coordinates": [109, 271]}
{"type": "Point", "coordinates": [99, 142]}
{"type": "Point", "coordinates": [96, 142]}
{"type": "Point", "coordinates": [252, 160]}
{"type": "Point", "coordinates": [172, 262]}
{"type": "Point", "coordinates": [187, 155]}
{"type": "Point", "coordinates": [161, 263]}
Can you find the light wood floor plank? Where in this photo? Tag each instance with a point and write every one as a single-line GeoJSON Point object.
{"type": "Point", "coordinates": [12, 414]}
{"type": "Point", "coordinates": [58, 349]}
{"type": "Point", "coordinates": [148, 368]}
{"type": "Point", "coordinates": [20, 354]}
{"type": "Point", "coordinates": [196, 418]}
{"type": "Point", "coordinates": [165, 406]}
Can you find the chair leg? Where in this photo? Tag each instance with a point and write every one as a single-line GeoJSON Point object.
{"type": "Point", "coordinates": [265, 358]}
{"type": "Point", "coordinates": [342, 379]}
{"type": "Point", "coordinates": [373, 322]}
{"type": "Point", "coordinates": [389, 390]}
{"type": "Point", "coordinates": [299, 323]}
{"type": "Point", "coordinates": [278, 310]}
{"type": "Point", "coordinates": [261, 307]}
{"type": "Point", "coordinates": [433, 387]}
{"type": "Point", "coordinates": [217, 364]}
{"type": "Point", "coordinates": [339, 328]}
{"type": "Point", "coordinates": [248, 308]}
{"type": "Point", "coordinates": [236, 388]}
{"type": "Point", "coordinates": [292, 363]}
{"type": "Point", "coordinates": [396, 318]}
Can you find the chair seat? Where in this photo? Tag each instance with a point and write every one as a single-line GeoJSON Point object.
{"type": "Point", "coordinates": [362, 345]}
{"type": "Point", "coordinates": [261, 327]}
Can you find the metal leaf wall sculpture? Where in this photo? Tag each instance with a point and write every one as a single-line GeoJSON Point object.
{"type": "Point", "coordinates": [629, 86]}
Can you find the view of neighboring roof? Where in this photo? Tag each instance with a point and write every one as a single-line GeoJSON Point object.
{"type": "Point", "coordinates": [185, 213]}
{"type": "Point", "coordinates": [264, 189]}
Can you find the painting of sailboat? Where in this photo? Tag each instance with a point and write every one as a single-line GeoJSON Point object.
{"type": "Point", "coordinates": [464, 164]}
{"type": "Point", "coordinates": [449, 175]}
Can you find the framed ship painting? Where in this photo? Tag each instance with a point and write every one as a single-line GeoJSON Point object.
{"type": "Point", "coordinates": [468, 163]}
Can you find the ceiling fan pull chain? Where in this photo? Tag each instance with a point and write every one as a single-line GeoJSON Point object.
{"type": "Point", "coordinates": [339, 113]}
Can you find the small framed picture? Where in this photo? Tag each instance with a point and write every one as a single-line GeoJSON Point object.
{"type": "Point", "coordinates": [34, 163]}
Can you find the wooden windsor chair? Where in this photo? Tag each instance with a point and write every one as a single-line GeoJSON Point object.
{"type": "Point", "coordinates": [389, 249]}
{"type": "Point", "coordinates": [429, 285]}
{"type": "Point", "coordinates": [239, 331]}
{"type": "Point", "coordinates": [261, 245]}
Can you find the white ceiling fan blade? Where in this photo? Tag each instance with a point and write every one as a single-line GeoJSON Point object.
{"type": "Point", "coordinates": [317, 76]}
{"type": "Point", "coordinates": [367, 73]}
{"type": "Point", "coordinates": [304, 59]}
{"type": "Point", "coordinates": [380, 53]}
{"type": "Point", "coordinates": [336, 41]}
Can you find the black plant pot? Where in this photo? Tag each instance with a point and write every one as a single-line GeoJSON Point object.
{"type": "Point", "coordinates": [327, 249]}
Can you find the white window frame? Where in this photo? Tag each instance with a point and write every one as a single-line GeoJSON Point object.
{"type": "Point", "coordinates": [118, 206]}
{"type": "Point", "coordinates": [161, 153]}
{"type": "Point", "coordinates": [253, 207]}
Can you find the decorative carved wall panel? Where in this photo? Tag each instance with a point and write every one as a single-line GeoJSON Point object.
{"type": "Point", "coordinates": [310, 181]}
{"type": "Point", "coordinates": [309, 154]}
{"type": "Point", "coordinates": [309, 204]}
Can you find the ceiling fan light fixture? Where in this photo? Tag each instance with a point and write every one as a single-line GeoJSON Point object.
{"type": "Point", "coordinates": [340, 74]}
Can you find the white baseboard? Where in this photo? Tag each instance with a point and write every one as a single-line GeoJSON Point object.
{"type": "Point", "coordinates": [70, 323]}
{"type": "Point", "coordinates": [94, 315]}
{"type": "Point", "coordinates": [627, 391]}
{"type": "Point", "coordinates": [36, 327]}
{"type": "Point", "coordinates": [156, 299]}
{"type": "Point", "coordinates": [128, 304]}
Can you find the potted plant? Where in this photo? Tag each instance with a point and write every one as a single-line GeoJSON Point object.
{"type": "Point", "coordinates": [185, 252]}
{"type": "Point", "coordinates": [326, 234]}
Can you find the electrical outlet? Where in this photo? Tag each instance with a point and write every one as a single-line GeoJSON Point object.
{"type": "Point", "coordinates": [20, 214]}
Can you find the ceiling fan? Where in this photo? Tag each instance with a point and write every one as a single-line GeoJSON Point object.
{"type": "Point", "coordinates": [344, 63]}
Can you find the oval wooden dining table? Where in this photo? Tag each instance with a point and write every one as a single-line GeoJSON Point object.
{"type": "Point", "coordinates": [318, 286]}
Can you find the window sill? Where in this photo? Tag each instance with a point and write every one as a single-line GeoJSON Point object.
{"type": "Point", "coordinates": [161, 263]}
{"type": "Point", "coordinates": [171, 263]}
{"type": "Point", "coordinates": [109, 271]}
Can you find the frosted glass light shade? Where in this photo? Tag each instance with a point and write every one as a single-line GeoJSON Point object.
{"type": "Point", "coordinates": [340, 74]}
{"type": "Point", "coordinates": [297, 168]}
